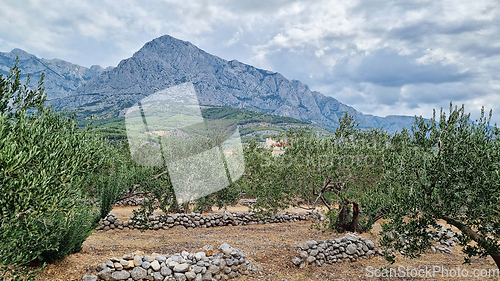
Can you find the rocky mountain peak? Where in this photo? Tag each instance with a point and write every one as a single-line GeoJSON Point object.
{"type": "Point", "coordinates": [61, 77]}
{"type": "Point", "coordinates": [23, 55]}
{"type": "Point", "coordinates": [166, 61]}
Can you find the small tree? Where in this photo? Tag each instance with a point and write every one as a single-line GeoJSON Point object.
{"type": "Point", "coordinates": [444, 171]}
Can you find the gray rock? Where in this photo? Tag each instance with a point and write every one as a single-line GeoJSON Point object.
{"type": "Point", "coordinates": [297, 261]}
{"type": "Point", "coordinates": [137, 260]}
{"type": "Point", "coordinates": [101, 267]}
{"type": "Point", "coordinates": [197, 269]}
{"type": "Point", "coordinates": [145, 265]}
{"type": "Point", "coordinates": [138, 273]}
{"type": "Point", "coordinates": [161, 258]}
{"type": "Point", "coordinates": [200, 255]}
{"type": "Point", "coordinates": [165, 271]}
{"type": "Point", "coordinates": [225, 248]}
{"type": "Point", "coordinates": [311, 244]}
{"type": "Point", "coordinates": [155, 265]}
{"type": "Point", "coordinates": [183, 267]}
{"type": "Point", "coordinates": [148, 258]}
{"type": "Point", "coordinates": [157, 276]}
{"type": "Point", "coordinates": [190, 275]}
{"type": "Point", "coordinates": [351, 237]}
{"type": "Point", "coordinates": [213, 269]}
{"type": "Point", "coordinates": [124, 262]}
{"type": "Point", "coordinates": [207, 276]}
{"type": "Point", "coordinates": [370, 244]}
{"type": "Point", "coordinates": [89, 278]}
{"type": "Point", "coordinates": [120, 275]}
{"type": "Point", "coordinates": [351, 249]}
{"type": "Point", "coordinates": [180, 276]}
{"type": "Point", "coordinates": [310, 259]}
{"type": "Point", "coordinates": [105, 274]}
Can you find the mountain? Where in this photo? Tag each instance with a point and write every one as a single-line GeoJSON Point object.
{"type": "Point", "coordinates": [61, 77]}
{"type": "Point", "coordinates": [166, 61]}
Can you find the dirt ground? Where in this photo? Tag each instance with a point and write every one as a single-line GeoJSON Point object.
{"type": "Point", "coordinates": [269, 245]}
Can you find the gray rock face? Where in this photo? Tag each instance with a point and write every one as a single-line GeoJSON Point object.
{"type": "Point", "coordinates": [89, 278]}
{"type": "Point", "coordinates": [166, 61]}
{"type": "Point", "coordinates": [61, 77]}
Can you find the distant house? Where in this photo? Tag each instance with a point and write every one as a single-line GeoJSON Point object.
{"type": "Point", "coordinates": [270, 142]}
{"type": "Point", "coordinates": [230, 152]}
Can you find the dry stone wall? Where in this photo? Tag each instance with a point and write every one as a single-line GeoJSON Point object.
{"type": "Point", "coordinates": [205, 265]}
{"type": "Point", "coordinates": [348, 248]}
{"type": "Point", "coordinates": [194, 220]}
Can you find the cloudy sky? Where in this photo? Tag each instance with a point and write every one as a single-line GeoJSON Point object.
{"type": "Point", "coordinates": [382, 57]}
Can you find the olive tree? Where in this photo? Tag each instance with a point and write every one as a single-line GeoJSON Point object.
{"type": "Point", "coordinates": [334, 172]}
{"type": "Point", "coordinates": [45, 163]}
{"type": "Point", "coordinates": [445, 169]}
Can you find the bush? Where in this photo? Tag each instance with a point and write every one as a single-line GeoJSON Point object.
{"type": "Point", "coordinates": [44, 160]}
{"type": "Point", "coordinates": [45, 163]}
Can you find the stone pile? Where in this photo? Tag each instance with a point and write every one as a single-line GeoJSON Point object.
{"type": "Point", "coordinates": [195, 220]}
{"type": "Point", "coordinates": [132, 201]}
{"type": "Point", "coordinates": [248, 202]}
{"type": "Point", "coordinates": [205, 265]}
{"type": "Point", "coordinates": [445, 239]}
{"type": "Point", "coordinates": [348, 248]}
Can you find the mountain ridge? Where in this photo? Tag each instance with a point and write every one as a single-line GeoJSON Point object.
{"type": "Point", "coordinates": [61, 77]}
{"type": "Point", "coordinates": [167, 61]}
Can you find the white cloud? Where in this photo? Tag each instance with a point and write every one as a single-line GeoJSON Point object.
{"type": "Point", "coordinates": [382, 57]}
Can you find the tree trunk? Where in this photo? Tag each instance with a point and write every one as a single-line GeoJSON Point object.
{"type": "Point", "coordinates": [185, 205]}
{"type": "Point", "coordinates": [496, 258]}
{"type": "Point", "coordinates": [354, 224]}
{"type": "Point", "coordinates": [473, 235]}
{"type": "Point", "coordinates": [342, 218]}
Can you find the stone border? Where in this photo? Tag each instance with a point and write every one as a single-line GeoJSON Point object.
{"type": "Point", "coordinates": [348, 248]}
{"type": "Point", "coordinates": [205, 265]}
{"type": "Point", "coordinates": [196, 220]}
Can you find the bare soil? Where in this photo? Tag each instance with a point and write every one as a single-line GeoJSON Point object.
{"type": "Point", "coordinates": [269, 245]}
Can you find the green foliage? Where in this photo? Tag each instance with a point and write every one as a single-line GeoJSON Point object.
{"type": "Point", "coordinates": [114, 128]}
{"type": "Point", "coordinates": [15, 97]}
{"type": "Point", "coordinates": [45, 161]}
{"type": "Point", "coordinates": [159, 188]}
{"type": "Point", "coordinates": [445, 171]}
{"type": "Point", "coordinates": [335, 172]}
{"type": "Point", "coordinates": [264, 179]}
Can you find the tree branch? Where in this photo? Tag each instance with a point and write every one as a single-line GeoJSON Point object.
{"type": "Point", "coordinates": [134, 188]}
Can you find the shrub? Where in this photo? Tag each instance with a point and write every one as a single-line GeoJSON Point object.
{"type": "Point", "coordinates": [45, 162]}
